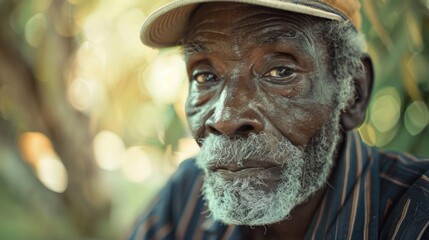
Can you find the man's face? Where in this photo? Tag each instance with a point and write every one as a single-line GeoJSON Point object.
{"type": "Point", "coordinates": [262, 105]}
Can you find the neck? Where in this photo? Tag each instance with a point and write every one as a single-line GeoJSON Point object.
{"type": "Point", "coordinates": [294, 227]}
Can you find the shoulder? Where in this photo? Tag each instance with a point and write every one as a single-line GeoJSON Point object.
{"type": "Point", "coordinates": [399, 172]}
{"type": "Point", "coordinates": [177, 199]}
{"type": "Point", "coordinates": [404, 188]}
{"type": "Point", "coordinates": [186, 175]}
{"type": "Point", "coordinates": [187, 168]}
{"type": "Point", "coordinates": [183, 187]}
{"type": "Point", "coordinates": [401, 169]}
{"type": "Point", "coordinates": [408, 216]}
{"type": "Point", "coordinates": [184, 179]}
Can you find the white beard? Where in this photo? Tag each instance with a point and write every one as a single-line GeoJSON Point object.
{"type": "Point", "coordinates": [244, 201]}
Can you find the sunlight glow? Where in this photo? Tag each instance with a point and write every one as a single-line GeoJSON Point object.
{"type": "Point", "coordinates": [129, 24]}
{"type": "Point", "coordinates": [97, 28]}
{"type": "Point", "coordinates": [35, 29]}
{"type": "Point", "coordinates": [416, 117]}
{"type": "Point", "coordinates": [187, 148]}
{"type": "Point", "coordinates": [52, 173]}
{"type": "Point", "coordinates": [164, 77]}
{"type": "Point", "coordinates": [136, 165]}
{"type": "Point", "coordinates": [82, 94]}
{"type": "Point", "coordinates": [38, 151]}
{"type": "Point", "coordinates": [368, 134]}
{"type": "Point", "coordinates": [108, 150]}
{"type": "Point", "coordinates": [91, 58]}
{"type": "Point", "coordinates": [386, 110]}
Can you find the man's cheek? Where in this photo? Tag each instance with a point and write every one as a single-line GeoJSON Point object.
{"type": "Point", "coordinates": [196, 121]}
{"type": "Point", "coordinates": [298, 121]}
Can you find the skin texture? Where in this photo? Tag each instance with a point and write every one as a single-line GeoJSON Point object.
{"type": "Point", "coordinates": [245, 97]}
{"type": "Point", "coordinates": [256, 70]}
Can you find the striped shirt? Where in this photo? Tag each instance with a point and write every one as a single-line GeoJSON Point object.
{"type": "Point", "coordinates": [373, 195]}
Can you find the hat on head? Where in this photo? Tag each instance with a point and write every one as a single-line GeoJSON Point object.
{"type": "Point", "coordinates": [166, 26]}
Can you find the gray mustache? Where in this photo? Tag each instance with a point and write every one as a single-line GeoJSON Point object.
{"type": "Point", "coordinates": [223, 150]}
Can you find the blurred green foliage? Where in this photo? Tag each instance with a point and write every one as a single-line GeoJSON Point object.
{"type": "Point", "coordinates": [92, 121]}
{"type": "Point", "coordinates": [398, 40]}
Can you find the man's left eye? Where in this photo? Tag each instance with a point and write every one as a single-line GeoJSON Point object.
{"type": "Point", "coordinates": [279, 72]}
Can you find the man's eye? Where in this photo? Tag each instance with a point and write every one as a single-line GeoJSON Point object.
{"type": "Point", "coordinates": [206, 77]}
{"type": "Point", "coordinates": [280, 72]}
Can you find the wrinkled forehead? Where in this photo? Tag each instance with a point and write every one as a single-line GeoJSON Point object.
{"type": "Point", "coordinates": [212, 23]}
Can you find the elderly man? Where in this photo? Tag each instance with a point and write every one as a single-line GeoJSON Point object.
{"type": "Point", "coordinates": [276, 89]}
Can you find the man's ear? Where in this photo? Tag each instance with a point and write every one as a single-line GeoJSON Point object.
{"type": "Point", "coordinates": [354, 115]}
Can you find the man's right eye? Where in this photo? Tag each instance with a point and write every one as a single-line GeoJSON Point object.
{"type": "Point", "coordinates": [205, 77]}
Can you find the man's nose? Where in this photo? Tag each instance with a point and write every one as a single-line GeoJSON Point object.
{"type": "Point", "coordinates": [234, 115]}
{"type": "Point", "coordinates": [236, 126]}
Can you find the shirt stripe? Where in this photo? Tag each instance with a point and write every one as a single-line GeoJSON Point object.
{"type": "Point", "coordinates": [144, 228]}
{"type": "Point", "coordinates": [162, 232]}
{"type": "Point", "coordinates": [423, 231]}
{"type": "Point", "coordinates": [367, 192]}
{"type": "Point", "coordinates": [319, 218]}
{"type": "Point", "coordinates": [396, 181]}
{"type": "Point", "coordinates": [356, 192]}
{"type": "Point", "coordinates": [189, 209]}
{"type": "Point", "coordinates": [386, 209]}
{"type": "Point", "coordinates": [345, 179]}
{"type": "Point", "coordinates": [404, 212]}
{"type": "Point", "coordinates": [228, 232]}
{"type": "Point", "coordinates": [198, 234]}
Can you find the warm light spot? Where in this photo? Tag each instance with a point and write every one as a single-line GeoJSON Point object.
{"type": "Point", "coordinates": [108, 150]}
{"type": "Point", "coordinates": [81, 93]}
{"type": "Point", "coordinates": [368, 134]}
{"type": "Point", "coordinates": [136, 165]}
{"type": "Point", "coordinates": [129, 24]}
{"type": "Point", "coordinates": [385, 111]}
{"type": "Point", "coordinates": [148, 53]}
{"type": "Point", "coordinates": [97, 28]}
{"type": "Point", "coordinates": [164, 77]}
{"type": "Point", "coordinates": [128, 29]}
{"type": "Point", "coordinates": [38, 151]}
{"type": "Point", "coordinates": [33, 145]}
{"type": "Point", "coordinates": [35, 29]}
{"type": "Point", "coordinates": [385, 138]}
{"type": "Point", "coordinates": [91, 58]}
{"type": "Point", "coordinates": [416, 117]}
{"type": "Point", "coordinates": [52, 173]}
{"type": "Point", "coordinates": [187, 148]}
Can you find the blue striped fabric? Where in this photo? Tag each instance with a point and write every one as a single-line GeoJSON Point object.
{"type": "Point", "coordinates": [372, 195]}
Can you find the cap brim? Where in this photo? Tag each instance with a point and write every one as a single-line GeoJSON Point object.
{"type": "Point", "coordinates": [166, 26]}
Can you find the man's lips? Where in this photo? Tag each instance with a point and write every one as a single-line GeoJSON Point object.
{"type": "Point", "coordinates": [249, 168]}
{"type": "Point", "coordinates": [248, 163]}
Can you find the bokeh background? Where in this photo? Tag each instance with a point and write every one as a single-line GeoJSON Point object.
{"type": "Point", "coordinates": [92, 122]}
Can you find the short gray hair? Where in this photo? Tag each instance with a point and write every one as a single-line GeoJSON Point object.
{"type": "Point", "coordinates": [345, 48]}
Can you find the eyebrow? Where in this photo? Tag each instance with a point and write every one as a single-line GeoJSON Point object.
{"type": "Point", "coordinates": [195, 47]}
{"type": "Point", "coordinates": [190, 48]}
{"type": "Point", "coordinates": [273, 37]}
